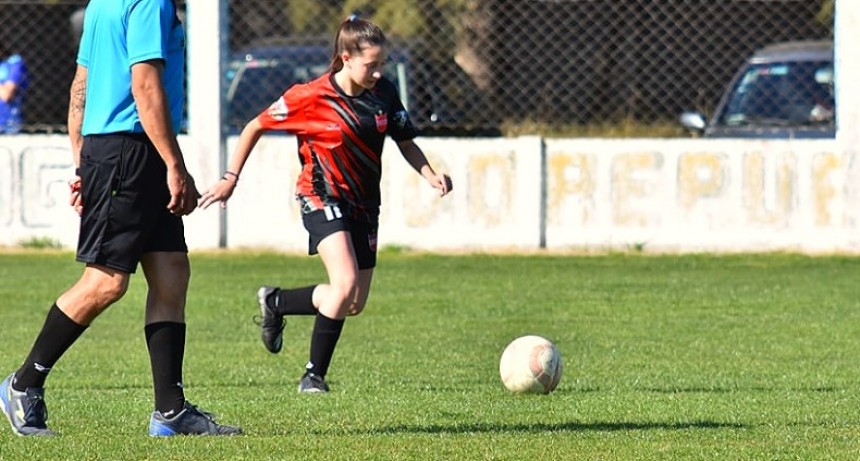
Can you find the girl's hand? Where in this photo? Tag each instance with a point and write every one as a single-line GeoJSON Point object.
{"type": "Point", "coordinates": [442, 183]}
{"type": "Point", "coordinates": [219, 192]}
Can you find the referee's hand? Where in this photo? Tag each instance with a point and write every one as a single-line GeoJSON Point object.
{"type": "Point", "coordinates": [183, 193]}
{"type": "Point", "coordinates": [75, 195]}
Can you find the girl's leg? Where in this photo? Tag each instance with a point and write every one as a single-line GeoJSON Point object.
{"type": "Point", "coordinates": [359, 299]}
{"type": "Point", "coordinates": [338, 257]}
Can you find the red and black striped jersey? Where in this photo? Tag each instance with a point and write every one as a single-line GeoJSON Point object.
{"type": "Point", "coordinates": [340, 141]}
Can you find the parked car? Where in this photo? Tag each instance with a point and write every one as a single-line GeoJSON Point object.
{"type": "Point", "coordinates": [258, 74]}
{"type": "Point", "coordinates": [784, 90]}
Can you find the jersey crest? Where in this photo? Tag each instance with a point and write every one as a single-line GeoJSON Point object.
{"type": "Point", "coordinates": [381, 122]}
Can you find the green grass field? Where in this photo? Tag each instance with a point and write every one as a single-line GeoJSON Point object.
{"type": "Point", "coordinates": [742, 357]}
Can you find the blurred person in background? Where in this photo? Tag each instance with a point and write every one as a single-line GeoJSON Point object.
{"type": "Point", "coordinates": [13, 85]}
{"type": "Point", "coordinates": [76, 24]}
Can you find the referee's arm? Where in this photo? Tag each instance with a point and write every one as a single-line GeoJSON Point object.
{"type": "Point", "coordinates": [153, 109]}
{"type": "Point", "coordinates": [154, 112]}
{"type": "Point", "coordinates": [77, 102]}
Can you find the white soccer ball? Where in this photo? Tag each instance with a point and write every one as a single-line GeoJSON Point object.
{"type": "Point", "coordinates": [530, 364]}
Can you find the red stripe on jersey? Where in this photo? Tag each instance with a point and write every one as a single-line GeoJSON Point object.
{"type": "Point", "coordinates": [340, 145]}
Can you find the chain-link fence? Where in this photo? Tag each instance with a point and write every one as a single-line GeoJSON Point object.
{"type": "Point", "coordinates": [41, 32]}
{"type": "Point", "coordinates": [468, 66]}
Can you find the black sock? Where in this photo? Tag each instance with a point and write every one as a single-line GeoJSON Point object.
{"type": "Point", "coordinates": [166, 343]}
{"type": "Point", "coordinates": [295, 301]}
{"type": "Point", "coordinates": [58, 334]}
{"type": "Point", "coordinates": [323, 341]}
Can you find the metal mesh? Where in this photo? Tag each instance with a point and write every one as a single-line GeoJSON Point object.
{"type": "Point", "coordinates": [42, 33]}
{"type": "Point", "coordinates": [471, 66]}
{"type": "Point", "coordinates": [492, 65]}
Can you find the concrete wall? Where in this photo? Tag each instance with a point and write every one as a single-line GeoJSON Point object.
{"type": "Point", "coordinates": [34, 192]}
{"type": "Point", "coordinates": [519, 193]}
{"type": "Point", "coordinates": [701, 195]}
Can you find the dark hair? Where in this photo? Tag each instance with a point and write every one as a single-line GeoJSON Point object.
{"type": "Point", "coordinates": [353, 35]}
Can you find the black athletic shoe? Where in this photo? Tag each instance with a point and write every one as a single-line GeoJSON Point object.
{"type": "Point", "coordinates": [271, 324]}
{"type": "Point", "coordinates": [26, 411]}
{"type": "Point", "coordinates": [190, 421]}
{"type": "Point", "coordinates": [313, 384]}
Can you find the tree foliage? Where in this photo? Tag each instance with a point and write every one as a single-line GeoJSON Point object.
{"type": "Point", "coordinates": [825, 15]}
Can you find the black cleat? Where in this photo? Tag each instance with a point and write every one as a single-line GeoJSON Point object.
{"type": "Point", "coordinates": [271, 324]}
{"type": "Point", "coordinates": [313, 384]}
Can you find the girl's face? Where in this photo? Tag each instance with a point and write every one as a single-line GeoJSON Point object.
{"type": "Point", "coordinates": [365, 67]}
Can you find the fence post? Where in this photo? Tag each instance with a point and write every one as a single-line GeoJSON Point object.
{"type": "Point", "coordinates": [207, 38]}
{"type": "Point", "coordinates": [847, 70]}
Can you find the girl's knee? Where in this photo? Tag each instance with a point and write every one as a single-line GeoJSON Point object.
{"type": "Point", "coordinates": [355, 309]}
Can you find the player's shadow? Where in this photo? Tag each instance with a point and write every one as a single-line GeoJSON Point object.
{"type": "Point", "coordinates": [481, 427]}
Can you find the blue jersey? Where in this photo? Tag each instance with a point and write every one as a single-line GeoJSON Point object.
{"type": "Point", "coordinates": [13, 70]}
{"type": "Point", "coordinates": [118, 34]}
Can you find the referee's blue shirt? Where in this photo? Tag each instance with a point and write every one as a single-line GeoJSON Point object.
{"type": "Point", "coordinates": [116, 35]}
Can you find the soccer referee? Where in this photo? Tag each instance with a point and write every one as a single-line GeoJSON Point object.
{"type": "Point", "coordinates": [131, 191]}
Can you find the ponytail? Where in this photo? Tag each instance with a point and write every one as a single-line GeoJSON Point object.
{"type": "Point", "coordinates": [352, 36]}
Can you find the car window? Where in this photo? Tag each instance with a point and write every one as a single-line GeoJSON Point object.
{"type": "Point", "coordinates": [782, 94]}
{"type": "Point", "coordinates": [253, 84]}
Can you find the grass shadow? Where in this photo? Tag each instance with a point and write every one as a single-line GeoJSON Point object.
{"type": "Point", "coordinates": [730, 390]}
{"type": "Point", "coordinates": [481, 427]}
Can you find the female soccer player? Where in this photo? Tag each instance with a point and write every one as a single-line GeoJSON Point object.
{"type": "Point", "coordinates": [341, 120]}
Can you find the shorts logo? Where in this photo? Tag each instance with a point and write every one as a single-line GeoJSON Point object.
{"type": "Point", "coordinates": [381, 122]}
{"type": "Point", "coordinates": [372, 241]}
{"type": "Point", "coordinates": [278, 110]}
{"type": "Point", "coordinates": [332, 212]}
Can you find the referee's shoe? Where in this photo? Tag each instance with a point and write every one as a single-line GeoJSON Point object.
{"type": "Point", "coordinates": [190, 421]}
{"type": "Point", "coordinates": [26, 411]}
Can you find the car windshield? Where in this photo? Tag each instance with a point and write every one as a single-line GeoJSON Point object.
{"type": "Point", "coordinates": [782, 94]}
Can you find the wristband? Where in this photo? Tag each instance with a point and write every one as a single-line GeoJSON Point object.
{"type": "Point", "coordinates": [235, 177]}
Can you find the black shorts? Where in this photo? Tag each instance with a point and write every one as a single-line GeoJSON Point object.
{"type": "Point", "coordinates": [125, 196]}
{"type": "Point", "coordinates": [322, 223]}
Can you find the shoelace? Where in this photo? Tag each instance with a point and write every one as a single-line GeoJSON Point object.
{"type": "Point", "coordinates": [273, 323]}
{"type": "Point", "coordinates": [193, 408]}
{"type": "Point", "coordinates": [37, 410]}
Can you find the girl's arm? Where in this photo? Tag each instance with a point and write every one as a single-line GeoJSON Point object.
{"type": "Point", "coordinates": [416, 158]}
{"type": "Point", "coordinates": [223, 189]}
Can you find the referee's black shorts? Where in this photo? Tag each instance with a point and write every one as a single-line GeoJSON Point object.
{"type": "Point", "coordinates": [125, 196]}
{"type": "Point", "coordinates": [322, 223]}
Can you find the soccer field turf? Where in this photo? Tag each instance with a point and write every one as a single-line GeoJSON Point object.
{"type": "Point", "coordinates": [741, 357]}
